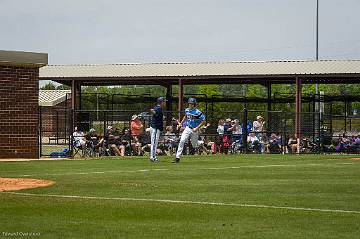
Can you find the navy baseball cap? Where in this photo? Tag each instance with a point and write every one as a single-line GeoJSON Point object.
{"type": "Point", "coordinates": [161, 99]}
{"type": "Point", "coordinates": [192, 101]}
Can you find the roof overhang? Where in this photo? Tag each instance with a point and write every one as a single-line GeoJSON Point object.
{"type": "Point", "coordinates": [21, 58]}
{"type": "Point", "coordinates": [324, 71]}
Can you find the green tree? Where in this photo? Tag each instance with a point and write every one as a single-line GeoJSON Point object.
{"type": "Point", "coordinates": [62, 87]}
{"type": "Point", "coordinates": [49, 86]}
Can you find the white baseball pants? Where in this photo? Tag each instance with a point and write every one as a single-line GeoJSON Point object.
{"type": "Point", "coordinates": [194, 137]}
{"type": "Point", "coordinates": [154, 137]}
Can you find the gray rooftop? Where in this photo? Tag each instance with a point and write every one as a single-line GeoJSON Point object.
{"type": "Point", "coordinates": [257, 72]}
{"type": "Point", "coordinates": [53, 97]}
{"type": "Point", "coordinates": [23, 58]}
{"type": "Point", "coordinates": [203, 69]}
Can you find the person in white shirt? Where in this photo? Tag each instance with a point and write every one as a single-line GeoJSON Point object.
{"type": "Point", "coordinates": [254, 141]}
{"type": "Point", "coordinates": [252, 138]}
{"type": "Point", "coordinates": [236, 129]}
{"type": "Point", "coordinates": [258, 124]}
{"type": "Point", "coordinates": [79, 139]}
{"type": "Point", "coordinates": [220, 131]}
{"type": "Point", "coordinates": [220, 128]}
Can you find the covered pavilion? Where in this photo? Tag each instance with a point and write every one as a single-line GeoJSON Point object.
{"type": "Point", "coordinates": [264, 73]}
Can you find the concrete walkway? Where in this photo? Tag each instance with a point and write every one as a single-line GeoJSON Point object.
{"type": "Point", "coordinates": [26, 160]}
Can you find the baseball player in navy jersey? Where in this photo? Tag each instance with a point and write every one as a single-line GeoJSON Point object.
{"type": "Point", "coordinates": [156, 126]}
{"type": "Point", "coordinates": [195, 119]}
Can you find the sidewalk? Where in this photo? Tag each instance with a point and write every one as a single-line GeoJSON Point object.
{"type": "Point", "coordinates": [25, 160]}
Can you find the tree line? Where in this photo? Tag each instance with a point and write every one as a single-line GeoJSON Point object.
{"type": "Point", "coordinates": [99, 97]}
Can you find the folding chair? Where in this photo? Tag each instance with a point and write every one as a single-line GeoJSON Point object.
{"type": "Point", "coordinates": [77, 148]}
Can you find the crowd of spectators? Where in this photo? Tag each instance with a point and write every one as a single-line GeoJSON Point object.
{"type": "Point", "coordinates": [344, 142]}
{"type": "Point", "coordinates": [229, 137]}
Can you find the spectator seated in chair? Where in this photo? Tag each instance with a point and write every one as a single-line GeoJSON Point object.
{"type": "Point", "coordinates": [79, 142]}
{"type": "Point", "coordinates": [292, 144]}
{"type": "Point", "coordinates": [112, 141]}
{"type": "Point", "coordinates": [92, 142]}
{"type": "Point", "coordinates": [274, 145]}
{"type": "Point", "coordinates": [226, 138]}
{"type": "Point", "coordinates": [174, 125]}
{"type": "Point", "coordinates": [254, 142]}
{"type": "Point", "coordinates": [355, 144]}
{"type": "Point", "coordinates": [226, 143]}
{"type": "Point", "coordinates": [92, 138]}
{"type": "Point", "coordinates": [204, 146]}
{"type": "Point", "coordinates": [125, 143]}
{"type": "Point", "coordinates": [146, 142]}
{"type": "Point", "coordinates": [343, 144]}
{"type": "Point", "coordinates": [170, 141]}
{"type": "Point", "coordinates": [236, 130]}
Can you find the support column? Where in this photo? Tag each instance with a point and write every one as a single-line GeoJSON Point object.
{"type": "Point", "coordinates": [74, 95]}
{"type": "Point", "coordinates": [269, 107]}
{"type": "Point", "coordinates": [75, 101]}
{"type": "Point", "coordinates": [298, 111]}
{"type": "Point", "coordinates": [181, 97]}
{"type": "Point", "coordinates": [269, 96]}
{"type": "Point", "coordinates": [169, 109]}
{"type": "Point", "coordinates": [345, 114]}
{"type": "Point", "coordinates": [78, 89]}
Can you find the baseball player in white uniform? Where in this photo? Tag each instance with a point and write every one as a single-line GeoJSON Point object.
{"type": "Point", "coordinates": [195, 120]}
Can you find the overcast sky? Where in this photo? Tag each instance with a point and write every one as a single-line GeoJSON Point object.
{"type": "Point", "coordinates": [137, 31]}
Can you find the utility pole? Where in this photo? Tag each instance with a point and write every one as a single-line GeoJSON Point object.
{"type": "Point", "coordinates": [318, 109]}
{"type": "Point", "coordinates": [317, 40]}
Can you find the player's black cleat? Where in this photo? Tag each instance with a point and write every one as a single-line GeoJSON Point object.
{"type": "Point", "coordinates": [176, 160]}
{"type": "Point", "coordinates": [154, 160]}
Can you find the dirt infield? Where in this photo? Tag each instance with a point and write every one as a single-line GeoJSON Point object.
{"type": "Point", "coordinates": [356, 159]}
{"type": "Point", "coordinates": [11, 184]}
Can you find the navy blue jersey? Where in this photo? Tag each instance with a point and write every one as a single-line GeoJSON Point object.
{"type": "Point", "coordinates": [157, 119]}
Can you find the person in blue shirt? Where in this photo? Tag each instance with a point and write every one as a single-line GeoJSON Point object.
{"type": "Point", "coordinates": [156, 126]}
{"type": "Point", "coordinates": [195, 120]}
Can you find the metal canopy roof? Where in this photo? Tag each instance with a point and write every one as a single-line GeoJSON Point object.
{"type": "Point", "coordinates": [53, 97]}
{"type": "Point", "coordinates": [332, 71]}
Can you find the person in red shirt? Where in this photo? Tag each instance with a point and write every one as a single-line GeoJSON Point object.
{"type": "Point", "coordinates": [136, 130]}
{"type": "Point", "coordinates": [136, 126]}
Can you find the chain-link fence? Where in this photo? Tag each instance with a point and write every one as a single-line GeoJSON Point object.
{"type": "Point", "coordinates": [55, 129]}
{"type": "Point", "coordinates": [242, 131]}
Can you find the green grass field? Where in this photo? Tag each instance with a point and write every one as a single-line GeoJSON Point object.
{"type": "Point", "coordinates": [247, 196]}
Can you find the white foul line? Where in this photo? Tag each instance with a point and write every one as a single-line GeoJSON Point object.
{"type": "Point", "coordinates": [166, 169]}
{"type": "Point", "coordinates": [100, 172]}
{"type": "Point", "coordinates": [188, 202]}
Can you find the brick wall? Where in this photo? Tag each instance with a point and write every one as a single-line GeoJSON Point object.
{"type": "Point", "coordinates": [55, 119]}
{"type": "Point", "coordinates": [19, 92]}
{"type": "Point", "coordinates": [48, 121]}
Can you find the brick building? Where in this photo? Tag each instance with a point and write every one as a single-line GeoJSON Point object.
{"type": "Point", "coordinates": [19, 95]}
